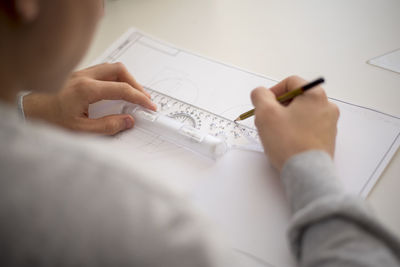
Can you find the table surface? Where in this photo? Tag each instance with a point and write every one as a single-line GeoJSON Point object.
{"type": "Point", "coordinates": [279, 38]}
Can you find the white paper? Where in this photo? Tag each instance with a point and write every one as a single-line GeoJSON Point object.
{"type": "Point", "coordinates": [389, 61]}
{"type": "Point", "coordinates": [240, 192]}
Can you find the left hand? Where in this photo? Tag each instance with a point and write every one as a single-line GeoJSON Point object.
{"type": "Point", "coordinates": [69, 107]}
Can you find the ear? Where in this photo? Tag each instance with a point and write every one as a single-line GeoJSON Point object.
{"type": "Point", "coordinates": [27, 10]}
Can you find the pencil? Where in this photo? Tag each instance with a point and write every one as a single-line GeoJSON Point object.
{"type": "Point", "coordinates": [285, 97]}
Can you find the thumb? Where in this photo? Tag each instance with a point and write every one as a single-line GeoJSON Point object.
{"type": "Point", "coordinates": [109, 125]}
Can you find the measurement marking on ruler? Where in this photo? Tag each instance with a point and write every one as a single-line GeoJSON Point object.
{"type": "Point", "coordinates": [235, 134]}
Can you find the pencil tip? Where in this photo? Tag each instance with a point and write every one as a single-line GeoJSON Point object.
{"type": "Point", "coordinates": [238, 119]}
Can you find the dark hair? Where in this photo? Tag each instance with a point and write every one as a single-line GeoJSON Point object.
{"type": "Point", "coordinates": [8, 6]}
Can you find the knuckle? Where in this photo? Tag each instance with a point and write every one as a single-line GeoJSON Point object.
{"type": "Point", "coordinates": [319, 94]}
{"type": "Point", "coordinates": [77, 74]}
{"type": "Point", "coordinates": [125, 86]}
{"type": "Point", "coordinates": [295, 79]}
{"type": "Point", "coordinates": [105, 65]}
{"type": "Point", "coordinates": [257, 121]}
{"type": "Point", "coordinates": [78, 127]}
{"type": "Point", "coordinates": [84, 82]}
{"type": "Point", "coordinates": [256, 93]}
{"type": "Point", "coordinates": [111, 127]}
{"type": "Point", "coordinates": [335, 109]}
{"type": "Point", "coordinates": [120, 67]}
{"type": "Point", "coordinates": [322, 93]}
{"type": "Point", "coordinates": [293, 82]}
{"type": "Point", "coordinates": [82, 86]}
{"type": "Point", "coordinates": [125, 90]}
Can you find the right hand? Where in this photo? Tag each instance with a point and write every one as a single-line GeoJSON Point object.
{"type": "Point", "coordinates": [308, 122]}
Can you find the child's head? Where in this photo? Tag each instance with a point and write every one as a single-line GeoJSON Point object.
{"type": "Point", "coordinates": [41, 41]}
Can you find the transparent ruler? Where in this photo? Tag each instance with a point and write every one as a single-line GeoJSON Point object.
{"type": "Point", "coordinates": [235, 135]}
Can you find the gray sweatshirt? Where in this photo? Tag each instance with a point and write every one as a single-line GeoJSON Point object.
{"type": "Point", "coordinates": [65, 202]}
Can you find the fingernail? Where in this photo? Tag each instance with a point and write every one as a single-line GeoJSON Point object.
{"type": "Point", "coordinates": [154, 106]}
{"type": "Point", "coordinates": [128, 123]}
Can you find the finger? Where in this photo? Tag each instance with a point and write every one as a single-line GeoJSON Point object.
{"type": "Point", "coordinates": [289, 84]}
{"type": "Point", "coordinates": [316, 95]}
{"type": "Point", "coordinates": [119, 91]}
{"type": "Point", "coordinates": [108, 125]}
{"type": "Point", "coordinates": [262, 97]}
{"type": "Point", "coordinates": [268, 109]}
{"type": "Point", "coordinates": [123, 75]}
{"type": "Point", "coordinates": [115, 72]}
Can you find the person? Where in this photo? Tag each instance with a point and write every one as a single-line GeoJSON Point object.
{"type": "Point", "coordinates": [65, 201]}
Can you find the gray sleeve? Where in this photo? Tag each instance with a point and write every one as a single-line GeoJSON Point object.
{"type": "Point", "coordinates": [329, 227]}
{"type": "Point", "coordinates": [94, 214]}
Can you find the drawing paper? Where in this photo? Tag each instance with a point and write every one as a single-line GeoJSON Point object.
{"type": "Point", "coordinates": [240, 193]}
{"type": "Point", "coordinates": [389, 61]}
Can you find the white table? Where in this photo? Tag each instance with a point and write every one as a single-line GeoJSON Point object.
{"type": "Point", "coordinates": [279, 38]}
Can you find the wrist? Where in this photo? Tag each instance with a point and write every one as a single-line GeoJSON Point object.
{"type": "Point", "coordinates": [308, 176]}
{"type": "Point", "coordinates": [294, 150]}
{"type": "Point", "coordinates": [39, 106]}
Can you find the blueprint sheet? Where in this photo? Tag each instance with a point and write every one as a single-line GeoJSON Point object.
{"type": "Point", "coordinates": [239, 193]}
